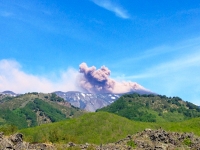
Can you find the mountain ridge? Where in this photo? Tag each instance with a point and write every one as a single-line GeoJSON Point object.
{"type": "Point", "coordinates": [86, 101]}
{"type": "Point", "coordinates": [32, 109]}
{"type": "Point", "coordinates": [153, 108]}
{"type": "Point", "coordinates": [93, 101]}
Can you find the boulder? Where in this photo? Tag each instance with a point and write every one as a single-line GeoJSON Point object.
{"type": "Point", "coordinates": [15, 142]}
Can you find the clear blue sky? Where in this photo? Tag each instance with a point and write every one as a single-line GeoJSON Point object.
{"type": "Point", "coordinates": [154, 43]}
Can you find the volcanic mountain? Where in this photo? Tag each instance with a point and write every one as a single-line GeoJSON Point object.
{"type": "Point", "coordinates": [87, 101]}
{"type": "Point", "coordinates": [91, 101]}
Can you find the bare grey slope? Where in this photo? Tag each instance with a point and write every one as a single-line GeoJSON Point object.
{"type": "Point", "coordinates": [88, 101]}
{"type": "Point", "coordinates": [91, 101]}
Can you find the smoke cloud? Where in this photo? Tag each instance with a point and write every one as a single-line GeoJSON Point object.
{"type": "Point", "coordinates": [87, 79]}
{"type": "Point", "coordinates": [98, 81]}
{"type": "Point", "coordinates": [13, 78]}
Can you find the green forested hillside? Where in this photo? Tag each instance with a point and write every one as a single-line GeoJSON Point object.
{"type": "Point", "coordinates": [153, 108]}
{"type": "Point", "coordinates": [149, 111]}
{"type": "Point", "coordinates": [96, 128]}
{"type": "Point", "coordinates": [34, 109]}
{"type": "Point", "coordinates": [100, 127]}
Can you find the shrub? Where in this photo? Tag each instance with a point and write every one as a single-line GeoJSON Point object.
{"type": "Point", "coordinates": [131, 143]}
{"type": "Point", "coordinates": [8, 129]}
{"type": "Point", "coordinates": [187, 142]}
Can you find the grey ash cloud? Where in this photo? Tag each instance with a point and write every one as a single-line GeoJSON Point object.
{"type": "Point", "coordinates": [98, 81]}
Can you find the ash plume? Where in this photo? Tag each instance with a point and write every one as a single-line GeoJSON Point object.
{"type": "Point", "coordinates": [98, 81]}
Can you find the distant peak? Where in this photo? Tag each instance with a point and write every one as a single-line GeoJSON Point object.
{"type": "Point", "coordinates": [8, 92]}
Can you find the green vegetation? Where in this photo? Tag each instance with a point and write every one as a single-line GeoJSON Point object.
{"type": "Point", "coordinates": [132, 144]}
{"type": "Point", "coordinates": [8, 129]}
{"type": "Point", "coordinates": [101, 127]}
{"type": "Point", "coordinates": [26, 116]}
{"type": "Point", "coordinates": [191, 125]}
{"type": "Point", "coordinates": [12, 118]}
{"type": "Point", "coordinates": [53, 113]}
{"type": "Point", "coordinates": [34, 109]}
{"type": "Point", "coordinates": [153, 108]}
{"type": "Point", "coordinates": [56, 98]}
{"type": "Point", "coordinates": [94, 128]}
{"type": "Point", "coordinates": [130, 114]}
{"type": "Point", "coordinates": [187, 142]}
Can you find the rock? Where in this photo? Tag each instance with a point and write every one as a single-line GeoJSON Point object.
{"type": "Point", "coordinates": [71, 144]}
{"type": "Point", "coordinates": [40, 146]}
{"type": "Point", "coordinates": [1, 134]}
{"type": "Point", "coordinates": [16, 138]}
{"type": "Point", "coordinates": [148, 140]}
{"type": "Point", "coordinates": [160, 139]}
{"type": "Point", "coordinates": [15, 142]}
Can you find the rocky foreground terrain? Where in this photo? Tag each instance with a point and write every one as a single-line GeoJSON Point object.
{"type": "Point", "coordinates": [148, 140]}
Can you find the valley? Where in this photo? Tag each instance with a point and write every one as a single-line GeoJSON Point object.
{"type": "Point", "coordinates": [49, 118]}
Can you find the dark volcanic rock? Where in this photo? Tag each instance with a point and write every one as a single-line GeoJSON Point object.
{"type": "Point", "coordinates": [15, 142]}
{"type": "Point", "coordinates": [149, 140]}
{"type": "Point", "coordinates": [145, 140]}
{"type": "Point", "coordinates": [160, 139]}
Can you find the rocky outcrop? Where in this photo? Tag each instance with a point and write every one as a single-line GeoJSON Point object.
{"type": "Point", "coordinates": [15, 142]}
{"type": "Point", "coordinates": [146, 140]}
{"type": "Point", "coordinates": [150, 140]}
{"type": "Point", "coordinates": [163, 140]}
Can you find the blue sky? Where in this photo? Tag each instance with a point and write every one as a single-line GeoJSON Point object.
{"type": "Point", "coordinates": [154, 43]}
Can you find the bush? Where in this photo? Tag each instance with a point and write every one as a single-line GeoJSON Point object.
{"type": "Point", "coordinates": [54, 97]}
{"type": "Point", "coordinates": [187, 142]}
{"type": "Point", "coordinates": [132, 144]}
{"type": "Point", "coordinates": [8, 129]}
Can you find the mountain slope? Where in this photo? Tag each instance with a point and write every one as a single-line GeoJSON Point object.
{"type": "Point", "coordinates": [91, 101]}
{"type": "Point", "coordinates": [100, 127]}
{"type": "Point", "coordinates": [11, 93]}
{"type": "Point", "coordinates": [34, 109]}
{"type": "Point", "coordinates": [153, 108]}
{"type": "Point", "coordinates": [88, 101]}
{"type": "Point", "coordinates": [95, 128]}
{"type": "Point", "coordinates": [7, 94]}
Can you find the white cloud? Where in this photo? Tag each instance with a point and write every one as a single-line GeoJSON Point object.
{"type": "Point", "coordinates": [108, 5]}
{"type": "Point", "coordinates": [12, 77]}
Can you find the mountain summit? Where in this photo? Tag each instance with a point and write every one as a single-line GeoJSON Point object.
{"type": "Point", "coordinates": [91, 101]}
{"type": "Point", "coordinates": [9, 93]}
{"type": "Point", "coordinates": [88, 101]}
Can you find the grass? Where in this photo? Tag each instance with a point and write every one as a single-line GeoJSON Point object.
{"type": "Point", "coordinates": [100, 128]}
{"type": "Point", "coordinates": [192, 125]}
{"type": "Point", "coordinates": [97, 128]}
{"type": "Point", "coordinates": [33, 109]}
